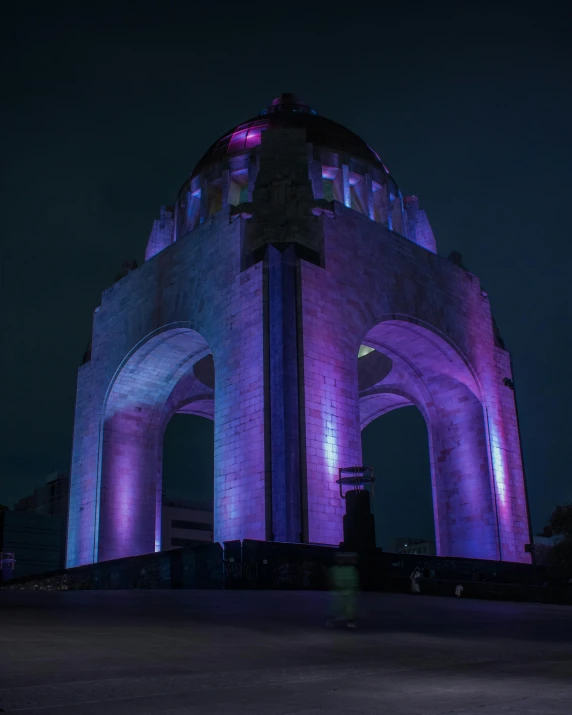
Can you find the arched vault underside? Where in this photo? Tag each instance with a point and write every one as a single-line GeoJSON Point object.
{"type": "Point", "coordinates": [163, 376]}
{"type": "Point", "coordinates": [411, 365]}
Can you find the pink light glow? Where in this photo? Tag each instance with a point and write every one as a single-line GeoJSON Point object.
{"type": "Point", "coordinates": [329, 172]}
{"type": "Point", "coordinates": [129, 467]}
{"type": "Point", "coordinates": [254, 137]}
{"type": "Point", "coordinates": [246, 137]}
{"type": "Point", "coordinates": [237, 140]}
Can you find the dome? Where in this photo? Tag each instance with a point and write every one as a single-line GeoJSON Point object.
{"type": "Point", "coordinates": [342, 167]}
{"type": "Point", "coordinates": [286, 111]}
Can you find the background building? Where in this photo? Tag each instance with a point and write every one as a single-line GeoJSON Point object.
{"type": "Point", "coordinates": [408, 545]}
{"type": "Point", "coordinates": [185, 523]}
{"type": "Point", "coordinates": [37, 541]}
{"type": "Point", "coordinates": [35, 530]}
{"type": "Point", "coordinates": [51, 498]}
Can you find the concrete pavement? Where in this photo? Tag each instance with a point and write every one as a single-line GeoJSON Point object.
{"type": "Point", "coordinates": [268, 653]}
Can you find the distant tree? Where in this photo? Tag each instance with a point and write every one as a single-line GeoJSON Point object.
{"type": "Point", "coordinates": [542, 554]}
{"type": "Point", "coordinates": [560, 525]}
{"type": "Point", "coordinates": [561, 521]}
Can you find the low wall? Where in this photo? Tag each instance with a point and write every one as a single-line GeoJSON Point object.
{"type": "Point", "coordinates": [272, 565]}
{"type": "Point", "coordinates": [193, 567]}
{"type": "Point", "coordinates": [268, 565]}
{"type": "Point", "coordinates": [448, 567]}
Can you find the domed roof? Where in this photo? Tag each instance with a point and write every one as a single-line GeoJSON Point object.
{"type": "Point", "coordinates": [286, 111]}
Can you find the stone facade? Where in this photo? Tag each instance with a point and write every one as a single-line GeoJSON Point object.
{"type": "Point", "coordinates": [276, 265]}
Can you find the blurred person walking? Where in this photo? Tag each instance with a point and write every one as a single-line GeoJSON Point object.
{"type": "Point", "coordinates": [344, 588]}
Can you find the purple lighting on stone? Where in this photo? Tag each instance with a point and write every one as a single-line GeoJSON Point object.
{"type": "Point", "coordinates": [283, 335]}
{"type": "Point", "coordinates": [246, 136]}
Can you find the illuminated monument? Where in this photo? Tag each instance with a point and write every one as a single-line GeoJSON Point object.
{"type": "Point", "coordinates": [293, 295]}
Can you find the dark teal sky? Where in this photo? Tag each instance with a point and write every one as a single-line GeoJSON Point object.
{"type": "Point", "coordinates": [108, 106]}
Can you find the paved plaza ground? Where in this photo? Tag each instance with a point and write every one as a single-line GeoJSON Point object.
{"type": "Point", "coordinates": [268, 653]}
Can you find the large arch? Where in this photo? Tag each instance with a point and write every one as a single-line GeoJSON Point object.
{"type": "Point", "coordinates": [157, 379]}
{"type": "Point", "coordinates": [412, 364]}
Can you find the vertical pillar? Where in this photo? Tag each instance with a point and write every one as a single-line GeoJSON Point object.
{"type": "Point", "coordinates": [369, 197]}
{"type": "Point", "coordinates": [131, 452]}
{"type": "Point", "coordinates": [284, 402]}
{"type": "Point", "coordinates": [332, 434]}
{"type": "Point", "coordinates": [390, 204]}
{"type": "Point", "coordinates": [506, 458]}
{"type": "Point", "coordinates": [346, 185]}
{"type": "Point", "coordinates": [240, 496]}
{"type": "Point", "coordinates": [83, 498]}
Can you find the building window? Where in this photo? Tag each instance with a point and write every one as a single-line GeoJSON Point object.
{"type": "Point", "coordinates": [195, 525]}
{"type": "Point", "coordinates": [328, 189]}
{"type": "Point", "coordinates": [380, 206]}
{"type": "Point", "coordinates": [238, 188]}
{"type": "Point", "coordinates": [215, 197]}
{"type": "Point", "coordinates": [244, 136]}
{"type": "Point", "coordinates": [332, 183]}
{"type": "Point", "coordinates": [188, 212]}
{"type": "Point", "coordinates": [357, 193]}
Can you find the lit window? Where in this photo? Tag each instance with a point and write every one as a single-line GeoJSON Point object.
{"type": "Point", "coordinates": [238, 140]}
{"type": "Point", "coordinates": [244, 136]}
{"type": "Point", "coordinates": [238, 188]}
{"type": "Point", "coordinates": [380, 206]}
{"type": "Point", "coordinates": [215, 197]}
{"type": "Point", "coordinates": [188, 212]}
{"type": "Point", "coordinates": [357, 193]}
{"type": "Point", "coordinates": [332, 183]}
{"type": "Point", "coordinates": [254, 137]}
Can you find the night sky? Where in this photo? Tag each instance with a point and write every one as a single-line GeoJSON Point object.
{"type": "Point", "coordinates": [106, 111]}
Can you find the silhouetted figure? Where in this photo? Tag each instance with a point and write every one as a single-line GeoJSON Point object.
{"type": "Point", "coordinates": [415, 576]}
{"type": "Point", "coordinates": [459, 590]}
{"type": "Point", "coordinates": [344, 585]}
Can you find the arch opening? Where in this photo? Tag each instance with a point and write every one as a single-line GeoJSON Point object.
{"type": "Point", "coordinates": [187, 481]}
{"type": "Point", "coordinates": [396, 445]}
{"type": "Point", "coordinates": [421, 368]}
{"type": "Point", "coordinates": [154, 383]}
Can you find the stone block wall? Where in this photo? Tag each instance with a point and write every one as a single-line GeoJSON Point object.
{"type": "Point", "coordinates": [433, 319]}
{"type": "Point", "coordinates": [151, 328]}
{"type": "Point", "coordinates": [359, 282]}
